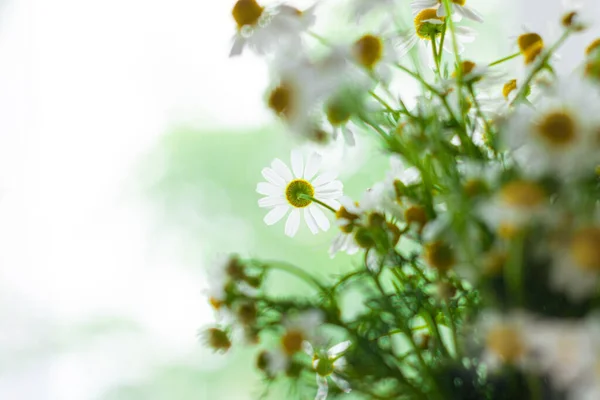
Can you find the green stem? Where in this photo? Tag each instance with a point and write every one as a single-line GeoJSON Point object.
{"type": "Point", "coordinates": [500, 61]}
{"type": "Point", "coordinates": [319, 202]}
{"type": "Point", "coordinates": [382, 101]}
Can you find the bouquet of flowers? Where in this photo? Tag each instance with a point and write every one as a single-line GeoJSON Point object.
{"type": "Point", "coordinates": [480, 250]}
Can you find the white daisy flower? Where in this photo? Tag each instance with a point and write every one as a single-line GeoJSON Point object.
{"type": "Point", "coordinates": [303, 86]}
{"type": "Point", "coordinates": [296, 191]}
{"type": "Point", "coordinates": [560, 137]}
{"type": "Point", "coordinates": [299, 330]}
{"type": "Point", "coordinates": [346, 217]}
{"type": "Point", "coordinates": [568, 351]}
{"type": "Point", "coordinates": [329, 364]}
{"type": "Point", "coordinates": [506, 339]}
{"type": "Point", "coordinates": [576, 267]}
{"type": "Point", "coordinates": [459, 9]}
{"type": "Point", "coordinates": [375, 53]}
{"type": "Point", "coordinates": [265, 30]}
{"type": "Point", "coordinates": [427, 26]}
{"type": "Point", "coordinates": [516, 204]}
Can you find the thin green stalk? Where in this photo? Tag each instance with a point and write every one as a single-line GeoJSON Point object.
{"type": "Point", "coordinates": [319, 202]}
{"type": "Point", "coordinates": [500, 61]}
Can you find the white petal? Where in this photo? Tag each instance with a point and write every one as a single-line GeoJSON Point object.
{"type": "Point", "coordinates": [324, 178]}
{"type": "Point", "coordinates": [273, 177]}
{"type": "Point", "coordinates": [282, 169]}
{"type": "Point", "coordinates": [348, 136]}
{"type": "Point", "coordinates": [310, 221]}
{"type": "Point", "coordinates": [271, 201]}
{"type": "Point", "coordinates": [329, 186]}
{"type": "Point", "coordinates": [470, 13]}
{"type": "Point", "coordinates": [321, 219]}
{"type": "Point", "coordinates": [269, 189]}
{"type": "Point", "coordinates": [238, 46]}
{"type": "Point", "coordinates": [341, 383]}
{"type": "Point", "coordinates": [323, 388]}
{"type": "Point", "coordinates": [275, 214]}
{"type": "Point", "coordinates": [332, 203]}
{"type": "Point", "coordinates": [297, 163]}
{"type": "Point", "coordinates": [339, 348]}
{"type": "Point", "coordinates": [406, 42]}
{"type": "Point", "coordinates": [335, 194]}
{"type": "Point", "coordinates": [308, 349]}
{"type": "Point", "coordinates": [312, 166]}
{"type": "Point", "coordinates": [293, 223]}
{"type": "Point", "coordinates": [441, 11]}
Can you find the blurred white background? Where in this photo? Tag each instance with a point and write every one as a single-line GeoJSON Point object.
{"type": "Point", "coordinates": [86, 89]}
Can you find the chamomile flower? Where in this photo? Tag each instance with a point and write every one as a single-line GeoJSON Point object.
{"type": "Point", "coordinates": [559, 137]}
{"type": "Point", "coordinates": [328, 364]}
{"type": "Point", "coordinates": [374, 53]}
{"type": "Point", "coordinates": [264, 30]}
{"type": "Point", "coordinates": [515, 205]}
{"type": "Point", "coordinates": [347, 216]}
{"type": "Point", "coordinates": [303, 86]}
{"type": "Point", "coordinates": [459, 9]}
{"type": "Point", "coordinates": [576, 267]}
{"type": "Point", "coordinates": [299, 329]}
{"type": "Point", "coordinates": [429, 26]}
{"type": "Point", "coordinates": [297, 191]}
{"type": "Point", "coordinates": [506, 339]}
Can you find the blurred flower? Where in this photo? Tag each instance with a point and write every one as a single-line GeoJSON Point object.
{"type": "Point", "coordinates": [576, 267]}
{"type": "Point", "coordinates": [265, 30]}
{"type": "Point", "coordinates": [559, 137]}
{"type": "Point", "coordinates": [429, 26]}
{"type": "Point", "coordinates": [286, 191]}
{"type": "Point", "coordinates": [329, 364]}
{"type": "Point", "coordinates": [458, 8]}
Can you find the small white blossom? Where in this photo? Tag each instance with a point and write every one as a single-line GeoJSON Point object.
{"type": "Point", "coordinates": [295, 190]}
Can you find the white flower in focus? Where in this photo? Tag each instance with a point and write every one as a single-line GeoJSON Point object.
{"type": "Point", "coordinates": [329, 364]}
{"type": "Point", "coordinates": [296, 191]}
{"type": "Point", "coordinates": [560, 137]}
{"type": "Point", "coordinates": [265, 30]}
{"type": "Point", "coordinates": [429, 26]}
{"type": "Point", "coordinates": [459, 9]}
{"type": "Point", "coordinates": [576, 267]}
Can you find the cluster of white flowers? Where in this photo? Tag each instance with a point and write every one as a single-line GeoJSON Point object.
{"type": "Point", "coordinates": [492, 189]}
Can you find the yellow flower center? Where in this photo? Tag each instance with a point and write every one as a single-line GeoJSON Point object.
{"type": "Point", "coordinates": [280, 100]}
{"type": "Point", "coordinates": [324, 367]}
{"type": "Point", "coordinates": [557, 128]}
{"type": "Point", "coordinates": [346, 215]}
{"type": "Point", "coordinates": [425, 28]}
{"type": "Point", "coordinates": [585, 248]}
{"type": "Point", "coordinates": [246, 12]}
{"type": "Point", "coordinates": [493, 263]}
{"type": "Point", "coordinates": [508, 231]}
{"type": "Point", "coordinates": [506, 343]}
{"type": "Point", "coordinates": [467, 67]}
{"type": "Point", "coordinates": [216, 304]}
{"type": "Point", "coordinates": [595, 45]}
{"type": "Point", "coordinates": [292, 342]}
{"type": "Point", "coordinates": [522, 194]}
{"type": "Point", "coordinates": [337, 113]}
{"type": "Point", "coordinates": [439, 255]}
{"type": "Point", "coordinates": [296, 190]}
{"type": "Point", "coordinates": [368, 50]}
{"type": "Point", "coordinates": [217, 339]}
{"type": "Point", "coordinates": [530, 45]}
{"type": "Point", "coordinates": [416, 215]}
{"type": "Point", "coordinates": [508, 88]}
{"type": "Point", "coordinates": [475, 187]}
